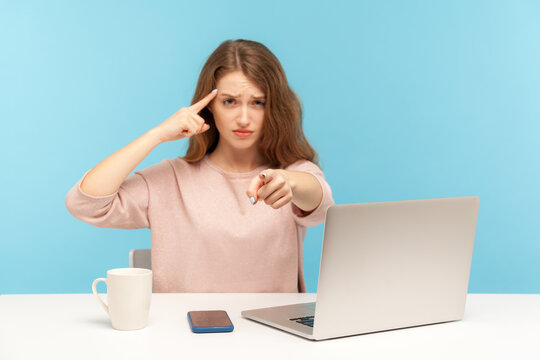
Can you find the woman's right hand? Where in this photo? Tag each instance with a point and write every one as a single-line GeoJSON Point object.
{"type": "Point", "coordinates": [185, 122]}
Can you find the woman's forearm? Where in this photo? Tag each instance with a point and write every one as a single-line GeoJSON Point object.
{"type": "Point", "coordinates": [107, 176]}
{"type": "Point", "coordinates": [307, 192]}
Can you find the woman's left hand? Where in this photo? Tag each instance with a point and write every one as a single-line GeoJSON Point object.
{"type": "Point", "coordinates": [272, 186]}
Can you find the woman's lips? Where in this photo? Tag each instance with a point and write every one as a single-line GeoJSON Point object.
{"type": "Point", "coordinates": [242, 133]}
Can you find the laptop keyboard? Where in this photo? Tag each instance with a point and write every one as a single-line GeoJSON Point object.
{"type": "Point", "coordinates": [306, 320]}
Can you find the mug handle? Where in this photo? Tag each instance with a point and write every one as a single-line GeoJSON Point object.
{"type": "Point", "coordinates": [94, 290]}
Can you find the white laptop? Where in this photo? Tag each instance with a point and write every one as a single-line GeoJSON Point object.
{"type": "Point", "coordinates": [386, 265]}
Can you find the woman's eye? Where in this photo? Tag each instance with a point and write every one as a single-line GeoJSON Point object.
{"type": "Point", "coordinates": [231, 101]}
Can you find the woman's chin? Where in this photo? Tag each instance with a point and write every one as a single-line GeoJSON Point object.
{"type": "Point", "coordinates": [243, 143]}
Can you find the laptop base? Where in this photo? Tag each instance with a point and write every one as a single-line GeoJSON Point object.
{"type": "Point", "coordinates": [279, 317]}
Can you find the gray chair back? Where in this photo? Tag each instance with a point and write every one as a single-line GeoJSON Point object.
{"type": "Point", "coordinates": [140, 258]}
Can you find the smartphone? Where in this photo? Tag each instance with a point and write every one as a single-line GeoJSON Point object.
{"type": "Point", "coordinates": [209, 321]}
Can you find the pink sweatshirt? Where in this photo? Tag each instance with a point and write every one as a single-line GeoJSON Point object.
{"type": "Point", "coordinates": [206, 236]}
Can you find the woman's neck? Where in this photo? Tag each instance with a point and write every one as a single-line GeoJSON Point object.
{"type": "Point", "coordinates": [234, 160]}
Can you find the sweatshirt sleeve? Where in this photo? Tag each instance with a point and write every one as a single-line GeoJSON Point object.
{"type": "Point", "coordinates": [318, 215]}
{"type": "Point", "coordinates": [125, 209]}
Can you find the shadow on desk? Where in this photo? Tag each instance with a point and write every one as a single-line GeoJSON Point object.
{"type": "Point", "coordinates": [101, 323]}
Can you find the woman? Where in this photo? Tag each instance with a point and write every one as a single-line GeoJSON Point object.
{"type": "Point", "coordinates": [231, 215]}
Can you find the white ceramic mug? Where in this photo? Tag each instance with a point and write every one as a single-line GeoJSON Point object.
{"type": "Point", "coordinates": [129, 291]}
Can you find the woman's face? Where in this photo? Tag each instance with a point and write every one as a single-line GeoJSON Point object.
{"type": "Point", "coordinates": [238, 111]}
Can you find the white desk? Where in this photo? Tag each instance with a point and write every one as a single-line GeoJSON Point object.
{"type": "Point", "coordinates": [75, 327]}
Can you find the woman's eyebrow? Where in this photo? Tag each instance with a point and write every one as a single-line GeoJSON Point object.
{"type": "Point", "coordinates": [235, 96]}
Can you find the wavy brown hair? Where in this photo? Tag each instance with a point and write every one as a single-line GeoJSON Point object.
{"type": "Point", "coordinates": [283, 141]}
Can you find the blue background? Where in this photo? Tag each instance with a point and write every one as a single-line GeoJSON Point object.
{"type": "Point", "coordinates": [402, 100]}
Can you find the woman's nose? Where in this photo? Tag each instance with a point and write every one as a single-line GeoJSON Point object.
{"type": "Point", "coordinates": [244, 116]}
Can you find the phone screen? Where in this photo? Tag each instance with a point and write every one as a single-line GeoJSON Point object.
{"type": "Point", "coordinates": [210, 321]}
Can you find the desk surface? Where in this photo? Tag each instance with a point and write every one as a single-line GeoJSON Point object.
{"type": "Point", "coordinates": [74, 326]}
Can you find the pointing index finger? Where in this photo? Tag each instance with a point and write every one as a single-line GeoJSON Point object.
{"type": "Point", "coordinates": [256, 183]}
{"type": "Point", "coordinates": [198, 106]}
